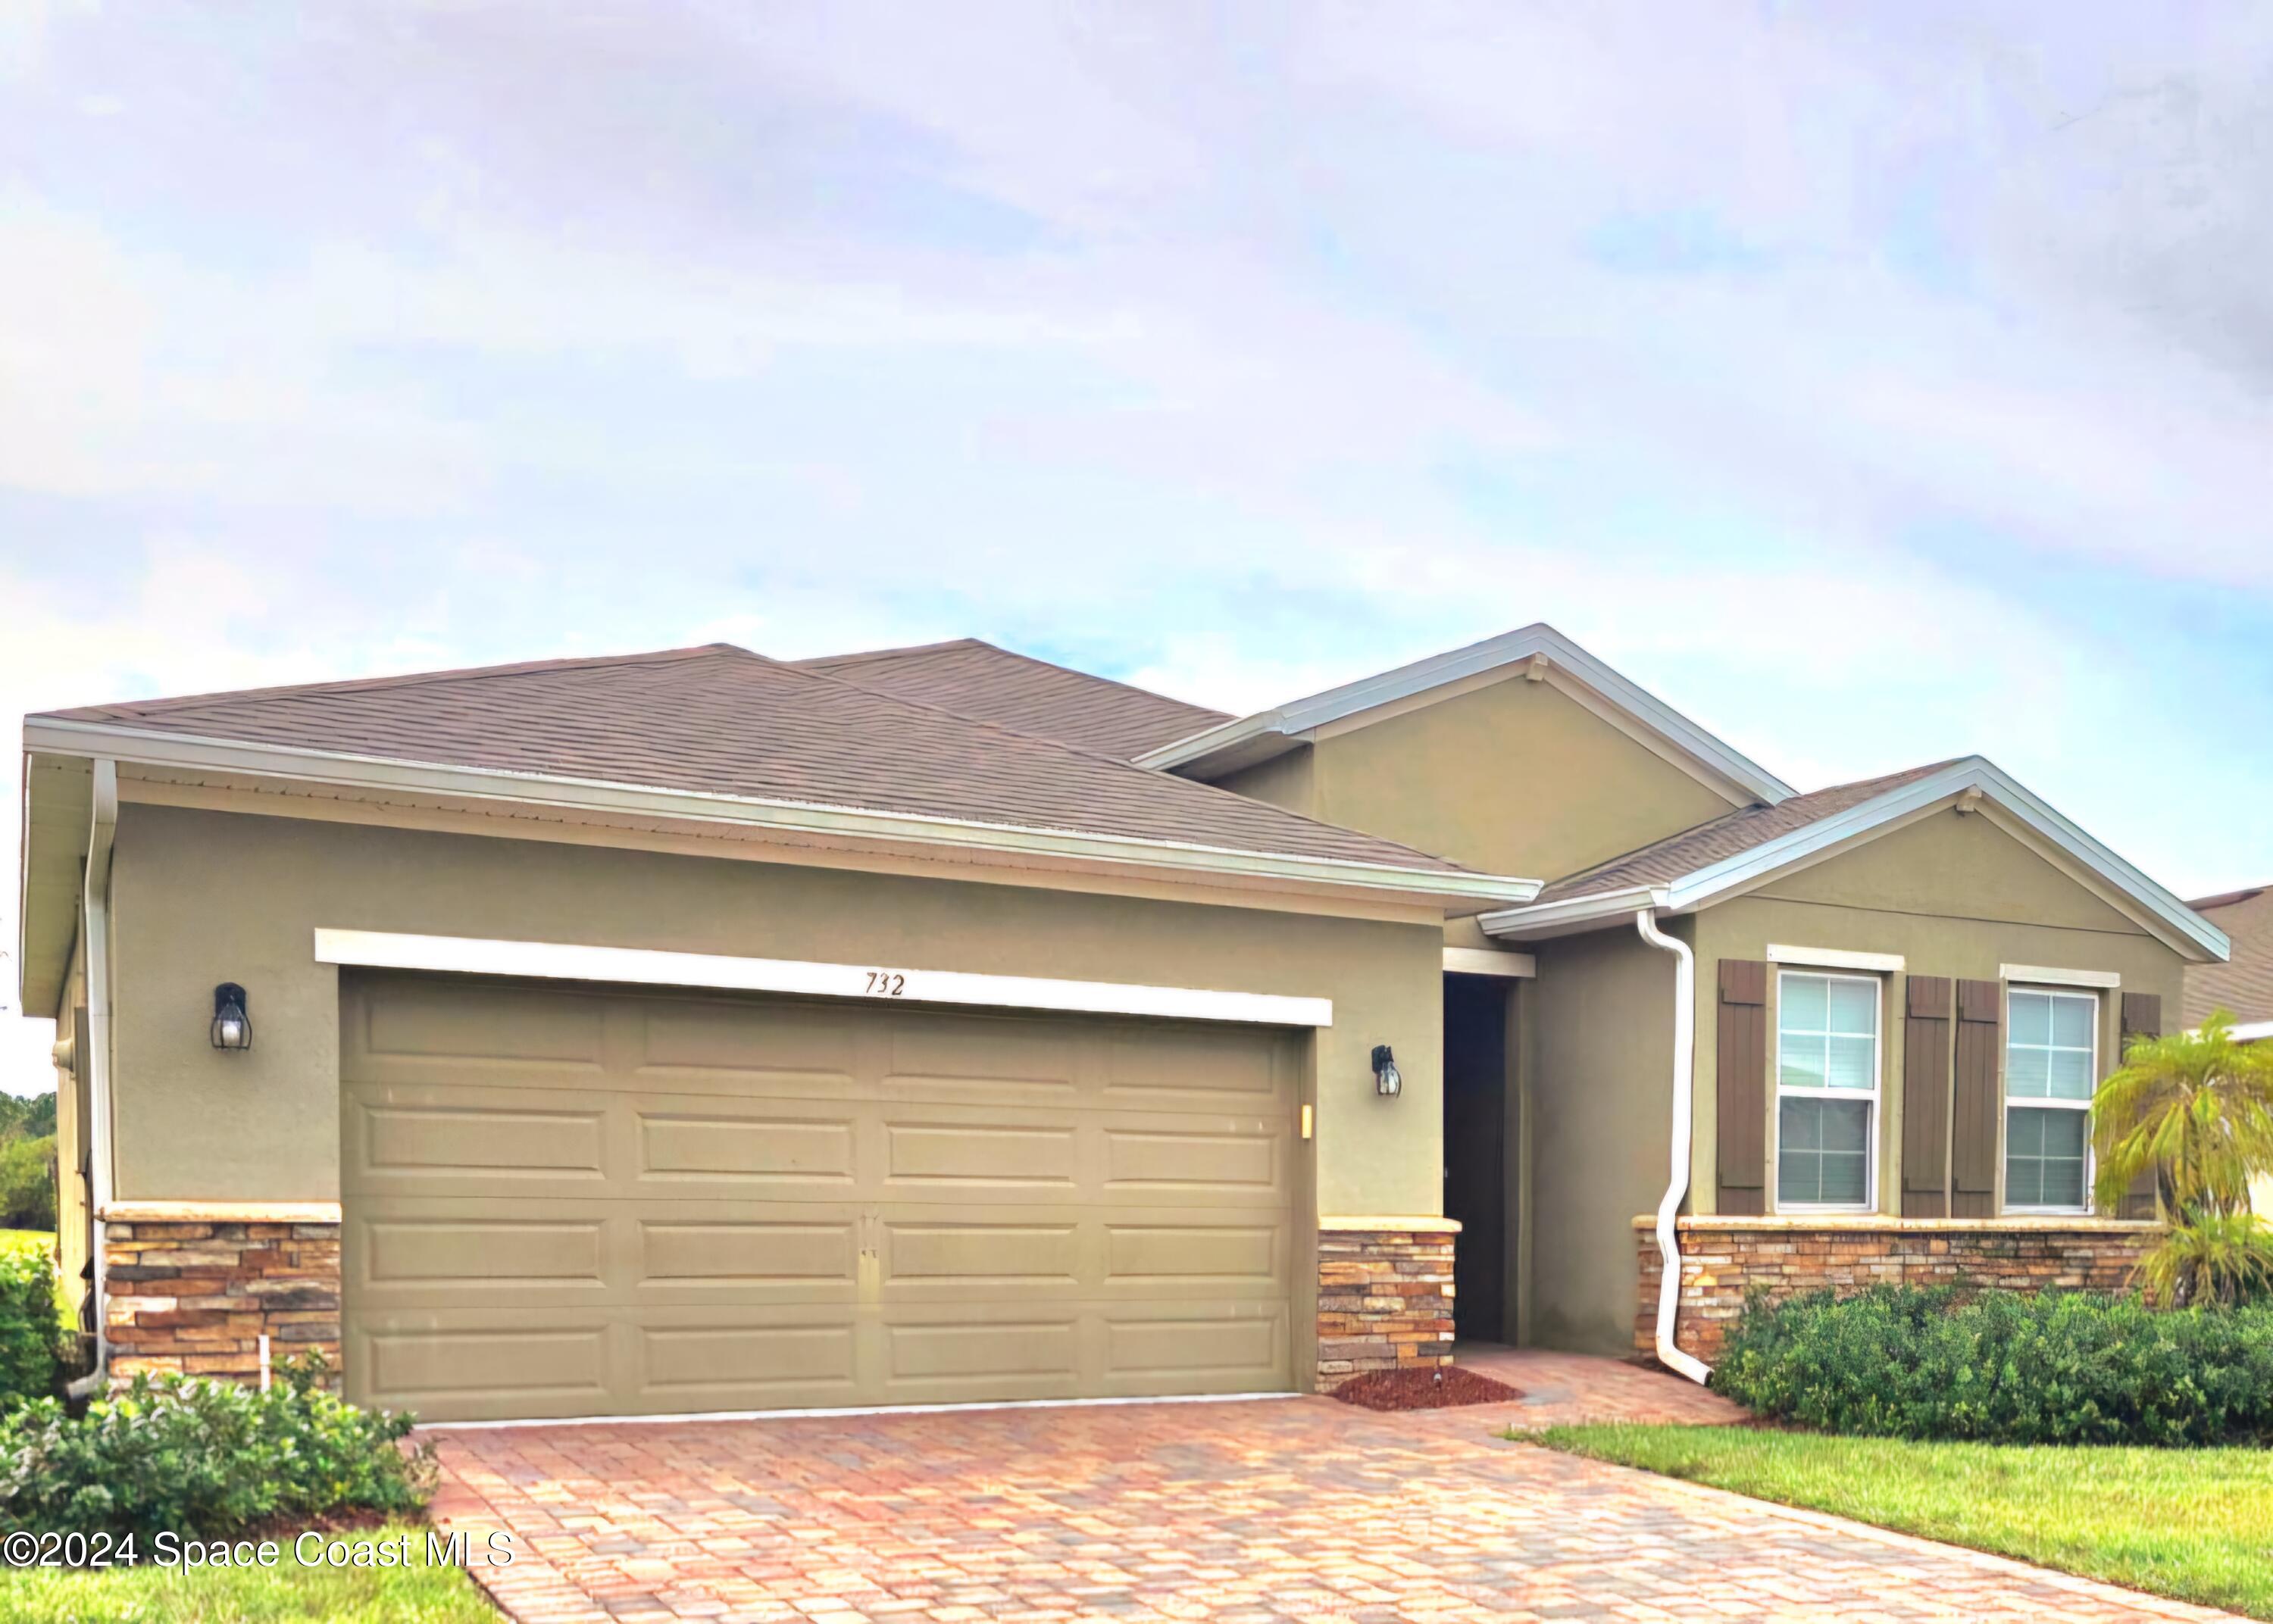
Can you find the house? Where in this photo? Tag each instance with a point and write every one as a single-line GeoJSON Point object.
{"type": "Point", "coordinates": [2241, 985]}
{"type": "Point", "coordinates": [696, 1032]}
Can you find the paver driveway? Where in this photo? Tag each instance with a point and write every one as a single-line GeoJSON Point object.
{"type": "Point", "coordinates": [1276, 1509]}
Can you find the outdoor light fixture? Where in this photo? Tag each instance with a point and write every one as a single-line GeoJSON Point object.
{"type": "Point", "coordinates": [1387, 1080]}
{"type": "Point", "coordinates": [232, 1028]}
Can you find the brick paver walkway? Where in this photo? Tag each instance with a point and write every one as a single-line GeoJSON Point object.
{"type": "Point", "coordinates": [1293, 1509]}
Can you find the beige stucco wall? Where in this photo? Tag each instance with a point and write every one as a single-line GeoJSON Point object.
{"type": "Point", "coordinates": [206, 896]}
{"type": "Point", "coordinates": [1598, 1061]}
{"type": "Point", "coordinates": [1512, 778]}
{"type": "Point", "coordinates": [1955, 895]}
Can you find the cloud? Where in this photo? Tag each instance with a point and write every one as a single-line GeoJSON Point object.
{"type": "Point", "coordinates": [1876, 386]}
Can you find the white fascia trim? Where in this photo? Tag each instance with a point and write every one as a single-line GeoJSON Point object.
{"type": "Point", "coordinates": [1387, 687]}
{"type": "Point", "coordinates": [1489, 961]}
{"type": "Point", "coordinates": [1835, 958]}
{"type": "Point", "coordinates": [185, 750]}
{"type": "Point", "coordinates": [873, 983]}
{"type": "Point", "coordinates": [2171, 920]}
{"type": "Point", "coordinates": [2044, 974]}
{"type": "Point", "coordinates": [1561, 918]}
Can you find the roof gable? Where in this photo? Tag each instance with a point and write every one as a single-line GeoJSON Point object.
{"type": "Point", "coordinates": [1734, 855]}
{"type": "Point", "coordinates": [1544, 650]}
{"type": "Point", "coordinates": [978, 680]}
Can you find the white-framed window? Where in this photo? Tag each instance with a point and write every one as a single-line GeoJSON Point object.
{"type": "Point", "coordinates": [1827, 1091]}
{"type": "Point", "coordinates": [2051, 1067]}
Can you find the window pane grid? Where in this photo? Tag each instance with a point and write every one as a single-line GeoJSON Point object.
{"type": "Point", "coordinates": [1828, 1085]}
{"type": "Point", "coordinates": [2051, 1064]}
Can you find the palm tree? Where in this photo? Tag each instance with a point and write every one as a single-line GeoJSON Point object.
{"type": "Point", "coordinates": [2196, 1108]}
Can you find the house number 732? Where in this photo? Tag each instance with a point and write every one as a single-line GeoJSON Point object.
{"type": "Point", "coordinates": [886, 983]}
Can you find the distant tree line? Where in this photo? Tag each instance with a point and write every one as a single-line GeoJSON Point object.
{"type": "Point", "coordinates": [28, 1162]}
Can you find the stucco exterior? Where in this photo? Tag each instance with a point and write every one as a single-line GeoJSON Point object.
{"type": "Point", "coordinates": [1954, 894]}
{"type": "Point", "coordinates": [204, 897]}
{"type": "Point", "coordinates": [1507, 775]}
{"type": "Point", "coordinates": [1597, 1029]}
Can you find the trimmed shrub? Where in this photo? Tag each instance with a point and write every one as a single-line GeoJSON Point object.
{"type": "Point", "coordinates": [30, 1331]}
{"type": "Point", "coordinates": [206, 1458]}
{"type": "Point", "coordinates": [2051, 1367]}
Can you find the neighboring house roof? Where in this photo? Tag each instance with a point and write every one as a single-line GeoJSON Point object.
{"type": "Point", "coordinates": [1267, 733]}
{"type": "Point", "coordinates": [2244, 984]}
{"type": "Point", "coordinates": [976, 679]}
{"type": "Point", "coordinates": [1731, 855]}
{"type": "Point", "coordinates": [734, 731]}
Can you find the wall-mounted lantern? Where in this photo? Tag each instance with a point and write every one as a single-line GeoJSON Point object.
{"type": "Point", "coordinates": [1387, 1080]}
{"type": "Point", "coordinates": [232, 1028]}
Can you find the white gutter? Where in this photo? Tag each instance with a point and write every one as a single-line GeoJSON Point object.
{"type": "Point", "coordinates": [102, 831]}
{"type": "Point", "coordinates": [150, 748]}
{"type": "Point", "coordinates": [1685, 1080]}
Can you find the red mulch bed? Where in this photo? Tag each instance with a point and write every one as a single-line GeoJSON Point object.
{"type": "Point", "coordinates": [1424, 1389]}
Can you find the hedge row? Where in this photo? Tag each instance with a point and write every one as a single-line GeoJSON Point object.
{"type": "Point", "coordinates": [2053, 1367]}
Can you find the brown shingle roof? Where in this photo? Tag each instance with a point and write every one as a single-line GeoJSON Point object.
{"type": "Point", "coordinates": [2244, 984]}
{"type": "Point", "coordinates": [976, 679]}
{"type": "Point", "coordinates": [721, 720]}
{"type": "Point", "coordinates": [1725, 836]}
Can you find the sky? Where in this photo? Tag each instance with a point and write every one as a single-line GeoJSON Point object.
{"type": "Point", "coordinates": [1874, 384]}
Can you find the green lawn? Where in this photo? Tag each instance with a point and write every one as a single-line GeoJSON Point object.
{"type": "Point", "coordinates": [287, 1594]}
{"type": "Point", "coordinates": [2196, 1524]}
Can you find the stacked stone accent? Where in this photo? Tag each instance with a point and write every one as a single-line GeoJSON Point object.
{"type": "Point", "coordinates": [1723, 1259]}
{"type": "Point", "coordinates": [197, 1297]}
{"type": "Point", "coordinates": [1384, 1301]}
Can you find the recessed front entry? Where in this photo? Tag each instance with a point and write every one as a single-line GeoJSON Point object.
{"type": "Point", "coordinates": [1479, 1121]}
{"type": "Point", "coordinates": [568, 1201]}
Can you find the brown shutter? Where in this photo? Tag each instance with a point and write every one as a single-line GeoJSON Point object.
{"type": "Point", "coordinates": [2142, 1017]}
{"type": "Point", "coordinates": [1741, 1056]}
{"type": "Point", "coordinates": [1925, 1098]}
{"type": "Point", "coordinates": [1974, 1111]}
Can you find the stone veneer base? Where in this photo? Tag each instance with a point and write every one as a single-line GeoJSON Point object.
{"type": "Point", "coordinates": [1724, 1259]}
{"type": "Point", "coordinates": [1384, 1301]}
{"type": "Point", "coordinates": [197, 1297]}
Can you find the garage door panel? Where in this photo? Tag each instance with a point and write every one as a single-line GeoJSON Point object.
{"type": "Point", "coordinates": [937, 1358]}
{"type": "Point", "coordinates": [757, 1204]}
{"type": "Point", "coordinates": [747, 1366]}
{"type": "Point", "coordinates": [1236, 1162]}
{"type": "Point", "coordinates": [1177, 1347]}
{"type": "Point", "coordinates": [979, 1060]}
{"type": "Point", "coordinates": [1160, 1066]}
{"type": "Point", "coordinates": [797, 1048]}
{"type": "Point", "coordinates": [422, 1024]}
{"type": "Point", "coordinates": [952, 1256]}
{"type": "Point", "coordinates": [431, 1136]}
{"type": "Point", "coordinates": [778, 1154]}
{"type": "Point", "coordinates": [497, 1254]}
{"type": "Point", "coordinates": [490, 1366]}
{"type": "Point", "coordinates": [786, 1256]}
{"type": "Point", "coordinates": [1157, 1255]}
{"type": "Point", "coordinates": [982, 1156]}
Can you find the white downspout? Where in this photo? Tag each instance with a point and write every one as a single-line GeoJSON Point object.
{"type": "Point", "coordinates": [1684, 1089]}
{"type": "Point", "coordinates": [103, 831]}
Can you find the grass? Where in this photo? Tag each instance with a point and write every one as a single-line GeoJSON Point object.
{"type": "Point", "coordinates": [2193, 1524]}
{"type": "Point", "coordinates": [286, 1594]}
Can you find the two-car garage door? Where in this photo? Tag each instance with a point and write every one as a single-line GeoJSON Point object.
{"type": "Point", "coordinates": [585, 1203]}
